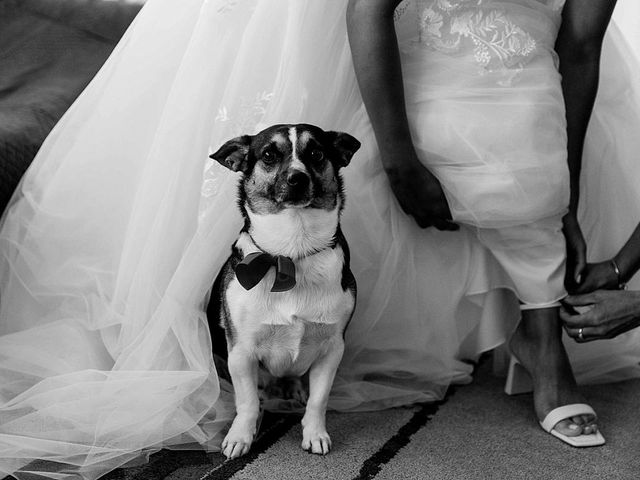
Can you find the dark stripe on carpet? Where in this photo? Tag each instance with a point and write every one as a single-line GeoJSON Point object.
{"type": "Point", "coordinates": [372, 466]}
{"type": "Point", "coordinates": [266, 438]}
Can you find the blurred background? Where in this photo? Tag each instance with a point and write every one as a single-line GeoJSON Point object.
{"type": "Point", "coordinates": [49, 51]}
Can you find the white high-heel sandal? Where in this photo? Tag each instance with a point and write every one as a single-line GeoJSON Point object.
{"type": "Point", "coordinates": [519, 381]}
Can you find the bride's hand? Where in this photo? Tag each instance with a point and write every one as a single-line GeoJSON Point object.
{"type": "Point", "coordinates": [598, 276]}
{"type": "Point", "coordinates": [576, 252]}
{"type": "Point", "coordinates": [418, 191]}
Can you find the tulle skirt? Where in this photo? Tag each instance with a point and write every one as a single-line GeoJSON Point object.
{"type": "Point", "coordinates": [114, 237]}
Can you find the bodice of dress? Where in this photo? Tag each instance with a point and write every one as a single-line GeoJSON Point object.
{"type": "Point", "coordinates": [493, 34]}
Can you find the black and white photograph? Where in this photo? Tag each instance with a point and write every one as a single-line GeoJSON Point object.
{"type": "Point", "coordinates": [319, 239]}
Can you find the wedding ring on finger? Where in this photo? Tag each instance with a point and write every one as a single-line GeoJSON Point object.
{"type": "Point", "coordinates": [580, 335]}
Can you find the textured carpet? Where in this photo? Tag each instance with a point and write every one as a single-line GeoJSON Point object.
{"type": "Point", "coordinates": [477, 432]}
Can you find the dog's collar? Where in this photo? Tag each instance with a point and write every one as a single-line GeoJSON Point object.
{"type": "Point", "coordinates": [255, 266]}
{"type": "Point", "coordinates": [332, 245]}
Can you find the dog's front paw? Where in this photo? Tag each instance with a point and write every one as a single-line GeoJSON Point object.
{"type": "Point", "coordinates": [238, 440]}
{"type": "Point", "coordinates": [316, 440]}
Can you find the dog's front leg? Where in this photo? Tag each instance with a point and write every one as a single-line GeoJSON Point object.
{"type": "Point", "coordinates": [244, 376]}
{"type": "Point", "coordinates": [314, 433]}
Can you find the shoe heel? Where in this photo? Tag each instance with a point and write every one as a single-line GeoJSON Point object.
{"type": "Point", "coordinates": [518, 379]}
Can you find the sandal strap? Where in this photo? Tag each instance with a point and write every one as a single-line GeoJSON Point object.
{"type": "Point", "coordinates": [564, 412]}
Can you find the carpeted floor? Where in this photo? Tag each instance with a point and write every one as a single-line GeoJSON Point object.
{"type": "Point", "coordinates": [477, 432]}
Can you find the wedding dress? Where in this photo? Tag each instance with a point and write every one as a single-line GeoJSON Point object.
{"type": "Point", "coordinates": [114, 237]}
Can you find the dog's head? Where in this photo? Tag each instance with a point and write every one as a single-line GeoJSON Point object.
{"type": "Point", "coordinates": [289, 166]}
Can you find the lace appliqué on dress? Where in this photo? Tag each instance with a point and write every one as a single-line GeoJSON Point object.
{"type": "Point", "coordinates": [212, 179]}
{"type": "Point", "coordinates": [210, 185]}
{"type": "Point", "coordinates": [246, 117]}
{"type": "Point", "coordinates": [236, 121]}
{"type": "Point", "coordinates": [225, 6]}
{"type": "Point", "coordinates": [453, 26]}
{"type": "Point", "coordinates": [400, 10]}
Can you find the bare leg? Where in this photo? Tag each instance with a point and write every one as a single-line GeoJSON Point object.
{"type": "Point", "coordinates": [244, 375]}
{"type": "Point", "coordinates": [537, 343]}
{"type": "Point", "coordinates": [314, 433]}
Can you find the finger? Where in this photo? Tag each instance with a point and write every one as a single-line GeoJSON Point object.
{"type": "Point", "coordinates": [580, 300]}
{"type": "Point", "coordinates": [581, 264]}
{"type": "Point", "coordinates": [569, 281]}
{"type": "Point", "coordinates": [453, 226]}
{"type": "Point", "coordinates": [443, 212]}
{"type": "Point", "coordinates": [585, 287]}
{"type": "Point", "coordinates": [446, 225]}
{"type": "Point", "coordinates": [572, 324]}
{"type": "Point", "coordinates": [586, 336]}
{"type": "Point", "coordinates": [591, 338]}
{"type": "Point", "coordinates": [576, 320]}
{"type": "Point", "coordinates": [404, 207]}
{"type": "Point", "coordinates": [573, 333]}
{"type": "Point", "coordinates": [588, 319]}
{"type": "Point", "coordinates": [407, 204]}
{"type": "Point", "coordinates": [423, 222]}
{"type": "Point", "coordinates": [593, 279]}
{"type": "Point", "coordinates": [567, 316]}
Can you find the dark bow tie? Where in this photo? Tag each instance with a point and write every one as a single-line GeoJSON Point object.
{"type": "Point", "coordinates": [255, 266]}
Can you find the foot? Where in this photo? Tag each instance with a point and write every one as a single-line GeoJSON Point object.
{"type": "Point", "coordinates": [315, 438]}
{"type": "Point", "coordinates": [553, 382]}
{"type": "Point", "coordinates": [238, 440]}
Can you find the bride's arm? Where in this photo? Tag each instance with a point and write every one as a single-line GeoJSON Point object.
{"type": "Point", "coordinates": [376, 59]}
{"type": "Point", "coordinates": [578, 45]}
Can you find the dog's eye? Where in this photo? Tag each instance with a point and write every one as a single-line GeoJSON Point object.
{"type": "Point", "coordinates": [317, 155]}
{"type": "Point", "coordinates": [268, 157]}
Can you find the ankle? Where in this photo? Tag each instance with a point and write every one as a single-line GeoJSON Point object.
{"type": "Point", "coordinates": [532, 350]}
{"type": "Point", "coordinates": [538, 329]}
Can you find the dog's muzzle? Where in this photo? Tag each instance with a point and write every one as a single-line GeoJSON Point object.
{"type": "Point", "coordinates": [296, 188]}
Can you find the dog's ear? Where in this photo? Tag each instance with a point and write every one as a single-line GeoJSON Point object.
{"type": "Point", "coordinates": [345, 144]}
{"type": "Point", "coordinates": [234, 153]}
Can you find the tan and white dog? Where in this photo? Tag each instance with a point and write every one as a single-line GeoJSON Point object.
{"type": "Point", "coordinates": [286, 293]}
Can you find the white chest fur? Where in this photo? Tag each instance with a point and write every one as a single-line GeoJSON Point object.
{"type": "Point", "coordinates": [294, 232]}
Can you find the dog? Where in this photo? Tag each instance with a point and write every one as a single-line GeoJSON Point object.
{"type": "Point", "coordinates": [286, 293]}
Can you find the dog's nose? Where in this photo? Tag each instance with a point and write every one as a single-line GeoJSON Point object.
{"type": "Point", "coordinates": [297, 179]}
